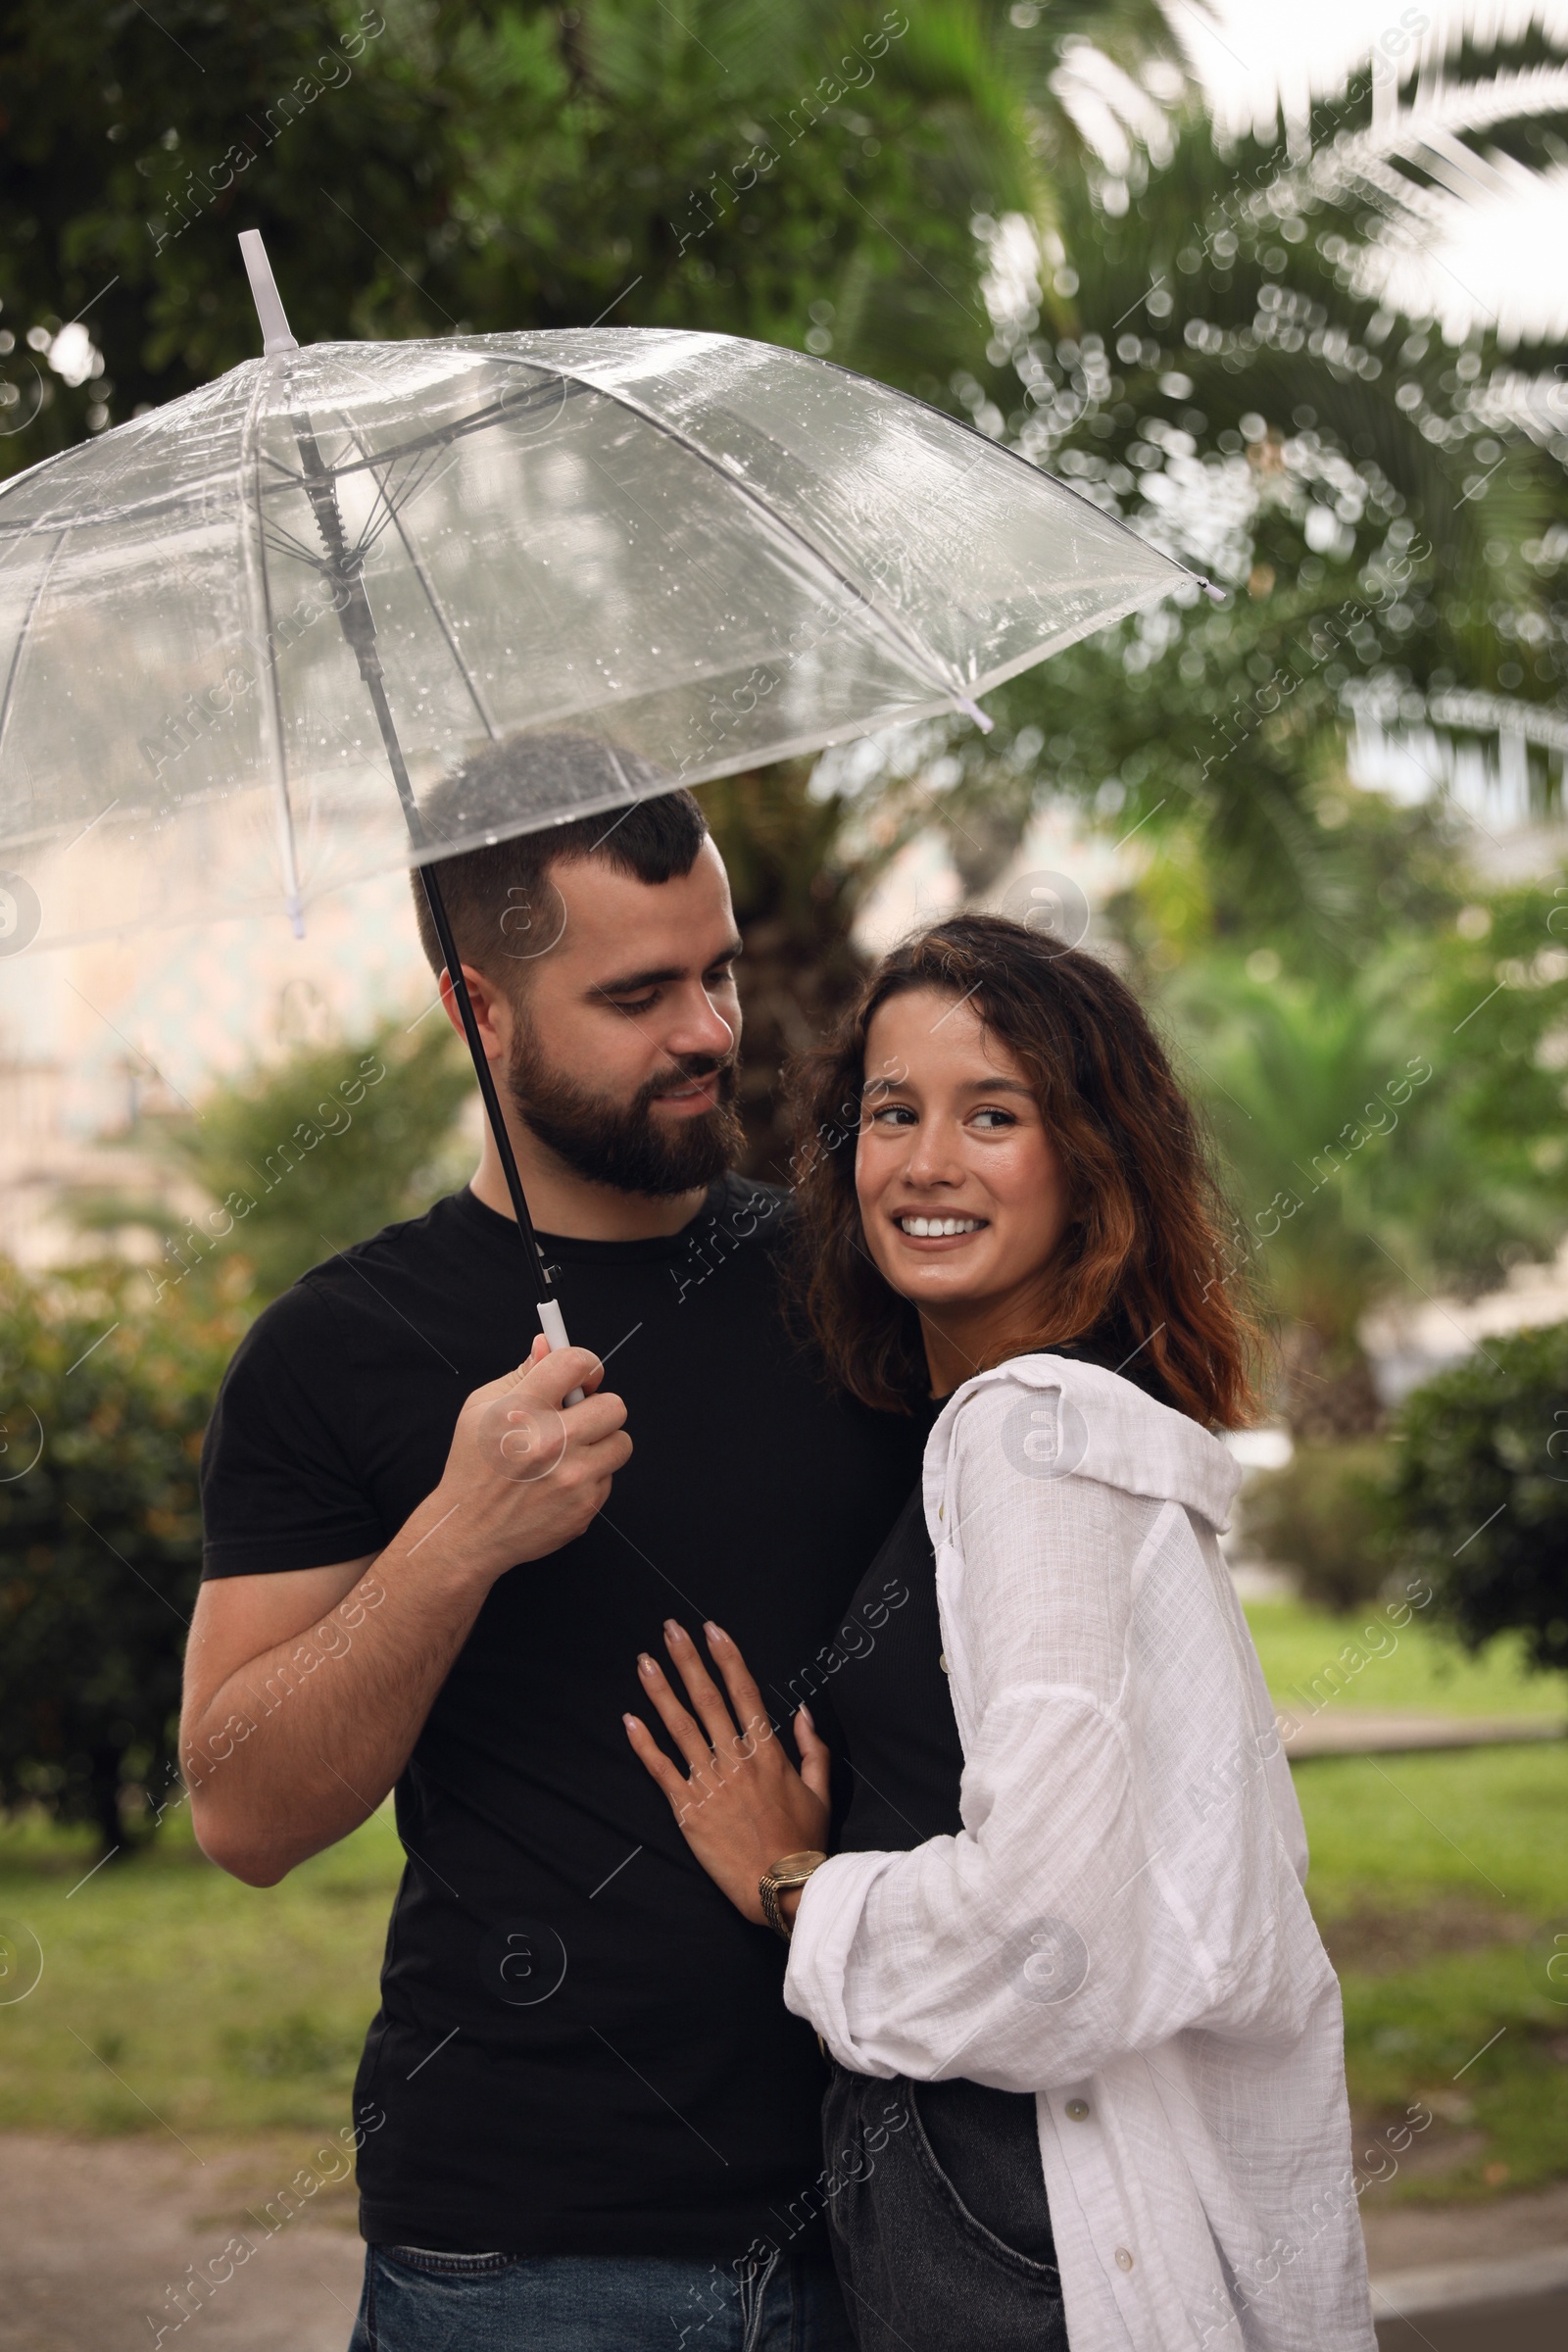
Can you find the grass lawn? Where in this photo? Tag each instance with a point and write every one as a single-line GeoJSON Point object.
{"type": "Point", "coordinates": [172, 1992]}
{"type": "Point", "coordinates": [173, 1998]}
{"type": "Point", "coordinates": [1441, 1884]}
{"type": "Point", "coordinates": [1418, 1667]}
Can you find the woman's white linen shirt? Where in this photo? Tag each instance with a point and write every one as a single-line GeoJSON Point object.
{"type": "Point", "coordinates": [1120, 1926]}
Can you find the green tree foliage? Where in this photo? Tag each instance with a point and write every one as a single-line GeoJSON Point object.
{"type": "Point", "coordinates": [1320, 1515]}
{"type": "Point", "coordinates": [1493, 985]}
{"type": "Point", "coordinates": [796, 882]}
{"type": "Point", "coordinates": [1199, 346]}
{"type": "Point", "coordinates": [802, 171]}
{"type": "Point", "coordinates": [100, 1541]}
{"type": "Point", "coordinates": [1322, 1111]}
{"type": "Point", "coordinates": [108, 1379]}
{"type": "Point", "coordinates": [1479, 1500]}
{"type": "Point", "coordinates": [1210, 360]}
{"type": "Point", "coordinates": [300, 1159]}
{"type": "Point", "coordinates": [1397, 1125]}
{"type": "Point", "coordinates": [1194, 337]}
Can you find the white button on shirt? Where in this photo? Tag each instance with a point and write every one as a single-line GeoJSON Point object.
{"type": "Point", "coordinates": [1121, 1918]}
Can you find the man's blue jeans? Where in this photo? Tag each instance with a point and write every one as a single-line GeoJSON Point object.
{"type": "Point", "coordinates": [415, 2301]}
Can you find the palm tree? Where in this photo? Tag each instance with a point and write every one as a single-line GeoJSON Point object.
{"type": "Point", "coordinates": [1324, 1116]}
{"type": "Point", "coordinates": [803, 173]}
{"type": "Point", "coordinates": [1226, 370]}
{"type": "Point", "coordinates": [1197, 340]}
{"type": "Point", "coordinates": [796, 887]}
{"type": "Point", "coordinates": [1393, 1128]}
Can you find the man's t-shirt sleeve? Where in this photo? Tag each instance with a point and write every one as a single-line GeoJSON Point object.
{"type": "Point", "coordinates": [277, 1489]}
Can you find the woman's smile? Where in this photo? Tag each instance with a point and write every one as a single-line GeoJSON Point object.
{"type": "Point", "coordinates": [935, 1226]}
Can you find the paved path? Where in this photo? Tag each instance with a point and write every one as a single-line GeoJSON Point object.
{"type": "Point", "coordinates": [1520, 2305]}
{"type": "Point", "coordinates": [1358, 1731]}
{"type": "Point", "coordinates": [98, 2235]}
{"type": "Point", "coordinates": [1488, 2278]}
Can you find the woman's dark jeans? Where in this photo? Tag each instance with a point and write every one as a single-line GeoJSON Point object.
{"type": "Point", "coordinates": [924, 2268]}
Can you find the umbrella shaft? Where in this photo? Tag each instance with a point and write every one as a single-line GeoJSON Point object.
{"type": "Point", "coordinates": [358, 628]}
{"type": "Point", "coordinates": [487, 1077]}
{"type": "Point", "coordinates": [436, 902]}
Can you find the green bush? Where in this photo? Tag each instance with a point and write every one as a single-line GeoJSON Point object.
{"type": "Point", "coordinates": [302, 1157]}
{"type": "Point", "coordinates": [1321, 1515]}
{"type": "Point", "coordinates": [1479, 1502]}
{"type": "Point", "coordinates": [106, 1377]}
{"type": "Point", "coordinates": [102, 1408]}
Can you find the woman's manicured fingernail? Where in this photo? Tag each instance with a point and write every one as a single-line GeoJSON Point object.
{"type": "Point", "coordinates": [809, 1718]}
{"type": "Point", "coordinates": [714, 1632]}
{"type": "Point", "coordinates": [674, 1632]}
{"type": "Point", "coordinates": [646, 1665]}
{"type": "Point", "coordinates": [631, 1721]}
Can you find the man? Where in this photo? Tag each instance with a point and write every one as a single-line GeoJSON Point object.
{"type": "Point", "coordinates": [586, 2119]}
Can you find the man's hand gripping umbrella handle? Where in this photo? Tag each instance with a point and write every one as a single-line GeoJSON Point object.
{"type": "Point", "coordinates": [553, 1323]}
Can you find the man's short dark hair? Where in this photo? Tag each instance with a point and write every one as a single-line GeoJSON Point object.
{"type": "Point", "coordinates": [495, 896]}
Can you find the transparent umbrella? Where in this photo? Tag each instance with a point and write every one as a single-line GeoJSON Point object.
{"type": "Point", "coordinates": [243, 636]}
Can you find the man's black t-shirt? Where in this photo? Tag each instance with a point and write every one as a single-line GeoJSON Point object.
{"type": "Point", "coordinates": [581, 2047]}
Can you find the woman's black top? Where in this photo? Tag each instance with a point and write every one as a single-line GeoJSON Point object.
{"type": "Point", "coordinates": [893, 1701]}
{"type": "Point", "coordinates": [896, 1711]}
{"type": "Point", "coordinates": [895, 1705]}
{"type": "Point", "coordinates": [891, 1687]}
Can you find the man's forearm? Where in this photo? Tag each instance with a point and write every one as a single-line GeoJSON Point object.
{"type": "Point", "coordinates": [289, 1743]}
{"type": "Point", "coordinates": [299, 1746]}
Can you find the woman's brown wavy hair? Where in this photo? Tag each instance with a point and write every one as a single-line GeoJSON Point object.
{"type": "Point", "coordinates": [1143, 1265]}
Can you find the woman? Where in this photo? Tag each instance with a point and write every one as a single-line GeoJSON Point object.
{"type": "Point", "coordinates": [1088, 2085]}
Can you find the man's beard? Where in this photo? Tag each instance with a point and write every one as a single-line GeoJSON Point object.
{"type": "Point", "coordinates": [621, 1144]}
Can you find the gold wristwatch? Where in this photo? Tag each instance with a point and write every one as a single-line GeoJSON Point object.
{"type": "Point", "coordinates": [792, 1871]}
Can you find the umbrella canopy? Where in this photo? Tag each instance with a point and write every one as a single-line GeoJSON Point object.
{"type": "Point", "coordinates": [686, 555]}
{"type": "Point", "coordinates": [247, 636]}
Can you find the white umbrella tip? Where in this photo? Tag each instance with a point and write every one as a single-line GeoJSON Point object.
{"type": "Point", "coordinates": [275, 335]}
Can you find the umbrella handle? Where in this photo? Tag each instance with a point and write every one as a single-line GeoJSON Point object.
{"type": "Point", "coordinates": [553, 1323]}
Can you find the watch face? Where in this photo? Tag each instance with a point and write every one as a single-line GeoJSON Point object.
{"type": "Point", "coordinates": [796, 1865]}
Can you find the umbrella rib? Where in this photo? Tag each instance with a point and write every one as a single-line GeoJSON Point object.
{"type": "Point", "coordinates": [373, 534]}
{"type": "Point", "coordinates": [395, 515]}
{"type": "Point", "coordinates": [394, 499]}
{"type": "Point", "coordinates": [284, 543]}
{"type": "Point", "coordinates": [440, 437]}
{"type": "Point", "coordinates": [898, 628]}
{"type": "Point", "coordinates": [499, 412]}
{"type": "Point", "coordinates": [388, 499]}
{"type": "Point", "coordinates": [905, 638]}
{"type": "Point", "coordinates": [961, 424]}
{"type": "Point", "coordinates": [272, 703]}
{"type": "Point", "coordinates": [33, 601]}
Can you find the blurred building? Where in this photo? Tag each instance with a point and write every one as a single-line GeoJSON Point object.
{"type": "Point", "coordinates": [98, 1039]}
{"type": "Point", "coordinates": [1409, 1343]}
